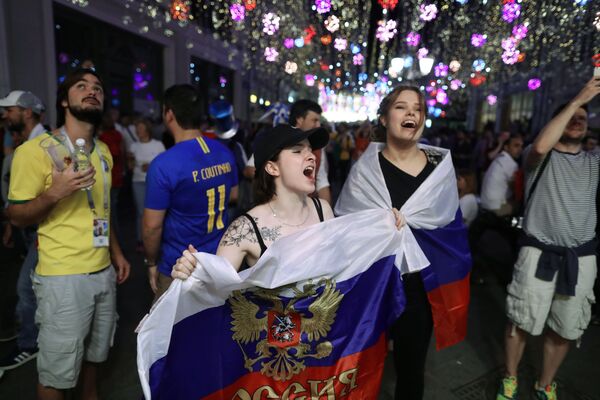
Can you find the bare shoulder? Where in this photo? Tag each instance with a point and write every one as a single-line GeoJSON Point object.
{"type": "Point", "coordinates": [327, 210]}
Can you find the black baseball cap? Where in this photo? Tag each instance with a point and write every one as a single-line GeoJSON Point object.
{"type": "Point", "coordinates": [271, 141]}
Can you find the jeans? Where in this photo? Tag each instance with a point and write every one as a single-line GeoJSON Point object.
{"type": "Point", "coordinates": [139, 194]}
{"type": "Point", "coordinates": [27, 304]}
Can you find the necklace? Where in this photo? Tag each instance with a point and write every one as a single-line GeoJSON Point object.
{"type": "Point", "coordinates": [285, 223]}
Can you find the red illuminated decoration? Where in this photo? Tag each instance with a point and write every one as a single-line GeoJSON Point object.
{"type": "Point", "coordinates": [324, 66]}
{"type": "Point", "coordinates": [250, 4]}
{"type": "Point", "coordinates": [596, 60]}
{"type": "Point", "coordinates": [180, 10]}
{"type": "Point", "coordinates": [388, 4]}
{"type": "Point", "coordinates": [521, 57]}
{"type": "Point", "coordinates": [477, 80]}
{"type": "Point", "coordinates": [309, 33]}
{"type": "Point", "coordinates": [326, 39]}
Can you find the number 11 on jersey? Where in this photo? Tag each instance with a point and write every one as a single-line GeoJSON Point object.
{"type": "Point", "coordinates": [210, 193]}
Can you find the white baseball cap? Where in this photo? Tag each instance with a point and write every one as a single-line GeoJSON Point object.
{"type": "Point", "coordinates": [23, 99]}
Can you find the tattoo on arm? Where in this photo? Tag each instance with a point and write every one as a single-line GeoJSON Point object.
{"type": "Point", "coordinates": [241, 230]}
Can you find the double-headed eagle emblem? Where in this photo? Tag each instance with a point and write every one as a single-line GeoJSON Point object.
{"type": "Point", "coordinates": [289, 333]}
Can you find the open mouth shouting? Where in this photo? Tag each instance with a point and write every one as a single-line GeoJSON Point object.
{"type": "Point", "coordinates": [309, 172]}
{"type": "Point", "coordinates": [409, 123]}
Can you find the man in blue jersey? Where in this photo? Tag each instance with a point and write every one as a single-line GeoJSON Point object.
{"type": "Point", "coordinates": [188, 189]}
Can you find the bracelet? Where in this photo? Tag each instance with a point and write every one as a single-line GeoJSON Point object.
{"type": "Point", "coordinates": [149, 263]}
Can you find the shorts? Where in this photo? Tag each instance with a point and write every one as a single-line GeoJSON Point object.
{"type": "Point", "coordinates": [532, 303]}
{"type": "Point", "coordinates": [77, 318]}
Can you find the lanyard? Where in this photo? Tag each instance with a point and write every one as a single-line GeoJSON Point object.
{"type": "Point", "coordinates": [104, 168]}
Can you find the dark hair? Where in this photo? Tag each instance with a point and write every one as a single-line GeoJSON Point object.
{"type": "Point", "coordinates": [380, 131]}
{"type": "Point", "coordinates": [185, 101]}
{"type": "Point", "coordinates": [62, 93]}
{"type": "Point", "coordinates": [512, 137]}
{"type": "Point", "coordinates": [470, 181]}
{"type": "Point", "coordinates": [300, 108]}
{"type": "Point", "coordinates": [147, 124]}
{"type": "Point", "coordinates": [561, 107]}
{"type": "Point", "coordinates": [263, 184]}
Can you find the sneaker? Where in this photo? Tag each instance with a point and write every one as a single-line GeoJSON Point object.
{"type": "Point", "coordinates": [17, 358]}
{"type": "Point", "coordinates": [508, 389]}
{"type": "Point", "coordinates": [545, 393]}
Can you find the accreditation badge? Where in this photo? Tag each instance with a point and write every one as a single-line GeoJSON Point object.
{"type": "Point", "coordinates": [100, 232]}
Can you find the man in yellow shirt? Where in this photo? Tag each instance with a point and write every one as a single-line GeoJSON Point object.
{"type": "Point", "coordinates": [74, 281]}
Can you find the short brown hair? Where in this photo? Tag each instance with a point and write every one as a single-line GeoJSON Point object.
{"type": "Point", "coordinates": [380, 131]}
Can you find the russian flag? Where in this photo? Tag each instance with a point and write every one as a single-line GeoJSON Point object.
{"type": "Point", "coordinates": [435, 238]}
{"type": "Point", "coordinates": [309, 320]}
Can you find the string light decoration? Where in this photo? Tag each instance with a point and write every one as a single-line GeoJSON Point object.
{"type": "Point", "coordinates": [492, 99]}
{"type": "Point", "coordinates": [478, 40]}
{"type": "Point", "coordinates": [250, 5]}
{"type": "Point", "coordinates": [238, 12]}
{"type": "Point", "coordinates": [271, 54]}
{"type": "Point", "coordinates": [388, 4]}
{"type": "Point", "coordinates": [413, 39]}
{"type": "Point", "coordinates": [323, 6]}
{"type": "Point", "coordinates": [332, 23]}
{"type": "Point", "coordinates": [511, 11]}
{"type": "Point", "coordinates": [180, 10]}
{"type": "Point", "coordinates": [428, 12]}
{"type": "Point", "coordinates": [543, 33]}
{"type": "Point", "coordinates": [270, 23]}
{"type": "Point", "coordinates": [358, 59]}
{"type": "Point", "coordinates": [291, 67]}
{"type": "Point", "coordinates": [534, 84]}
{"type": "Point", "coordinates": [340, 44]}
{"type": "Point", "coordinates": [386, 30]}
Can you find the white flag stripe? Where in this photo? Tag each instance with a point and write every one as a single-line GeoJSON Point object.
{"type": "Point", "coordinates": [340, 249]}
{"type": "Point", "coordinates": [432, 205]}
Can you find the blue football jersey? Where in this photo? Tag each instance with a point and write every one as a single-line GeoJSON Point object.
{"type": "Point", "coordinates": [192, 181]}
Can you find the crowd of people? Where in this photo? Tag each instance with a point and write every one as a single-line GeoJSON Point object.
{"type": "Point", "coordinates": [192, 174]}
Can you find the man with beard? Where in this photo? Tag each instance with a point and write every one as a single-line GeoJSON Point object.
{"type": "Point", "coordinates": [74, 280]}
{"type": "Point", "coordinates": [553, 278]}
{"type": "Point", "coordinates": [22, 111]}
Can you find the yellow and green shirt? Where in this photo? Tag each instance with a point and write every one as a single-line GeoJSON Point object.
{"type": "Point", "coordinates": [65, 237]}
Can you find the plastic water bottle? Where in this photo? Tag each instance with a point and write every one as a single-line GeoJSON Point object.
{"type": "Point", "coordinates": [82, 158]}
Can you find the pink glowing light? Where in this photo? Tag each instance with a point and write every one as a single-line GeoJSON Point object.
{"type": "Point", "coordinates": [340, 44]}
{"type": "Point", "coordinates": [386, 30]}
{"type": "Point", "coordinates": [519, 32]}
{"type": "Point", "coordinates": [270, 23]}
{"type": "Point", "coordinates": [309, 79]}
{"type": "Point", "coordinates": [428, 12]}
{"type": "Point", "coordinates": [288, 43]}
{"type": "Point", "coordinates": [510, 57]}
{"type": "Point", "coordinates": [511, 11]}
{"type": "Point", "coordinates": [422, 53]}
{"type": "Point", "coordinates": [358, 59]}
{"type": "Point", "coordinates": [534, 84]}
{"type": "Point", "coordinates": [440, 70]}
{"type": "Point", "coordinates": [413, 39]}
{"type": "Point", "coordinates": [271, 54]}
{"type": "Point", "coordinates": [323, 6]}
{"type": "Point", "coordinates": [492, 99]}
{"type": "Point", "coordinates": [238, 12]}
{"type": "Point", "coordinates": [478, 40]}
{"type": "Point", "coordinates": [455, 84]}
